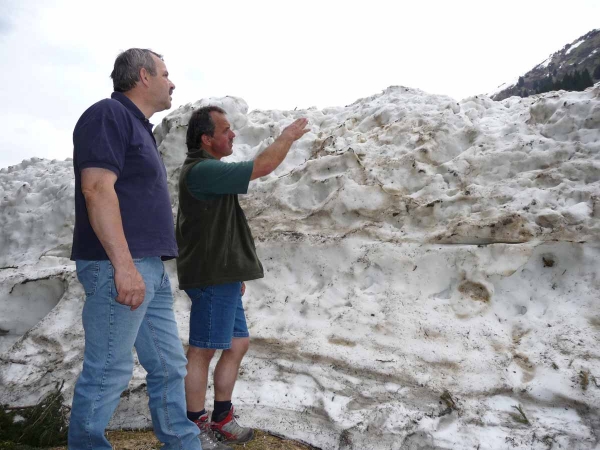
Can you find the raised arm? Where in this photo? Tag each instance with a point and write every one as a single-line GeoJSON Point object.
{"type": "Point", "coordinates": [98, 187]}
{"type": "Point", "coordinates": [274, 154]}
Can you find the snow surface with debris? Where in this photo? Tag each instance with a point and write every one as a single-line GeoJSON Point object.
{"type": "Point", "coordinates": [432, 274]}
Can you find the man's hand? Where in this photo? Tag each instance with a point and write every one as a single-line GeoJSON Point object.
{"type": "Point", "coordinates": [130, 285]}
{"type": "Point", "coordinates": [295, 130]}
{"type": "Point", "coordinates": [243, 288]}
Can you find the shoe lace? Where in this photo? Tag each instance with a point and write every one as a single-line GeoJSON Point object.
{"type": "Point", "coordinates": [209, 435]}
{"type": "Point", "coordinates": [207, 432]}
{"type": "Point", "coordinates": [234, 427]}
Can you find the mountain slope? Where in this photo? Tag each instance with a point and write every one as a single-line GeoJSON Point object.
{"type": "Point", "coordinates": [581, 54]}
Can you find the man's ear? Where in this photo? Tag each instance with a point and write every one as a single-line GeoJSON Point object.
{"type": "Point", "coordinates": [205, 139]}
{"type": "Point", "coordinates": [144, 75]}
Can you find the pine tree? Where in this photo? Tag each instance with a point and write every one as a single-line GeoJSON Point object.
{"type": "Point", "coordinates": [586, 80]}
{"type": "Point", "coordinates": [521, 82]}
{"type": "Point", "coordinates": [577, 82]}
{"type": "Point", "coordinates": [597, 72]}
{"type": "Point", "coordinates": [566, 83]}
{"type": "Point", "coordinates": [546, 85]}
{"type": "Point", "coordinates": [557, 85]}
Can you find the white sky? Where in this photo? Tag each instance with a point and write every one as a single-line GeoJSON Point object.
{"type": "Point", "coordinates": [57, 55]}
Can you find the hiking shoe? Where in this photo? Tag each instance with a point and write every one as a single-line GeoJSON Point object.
{"type": "Point", "coordinates": [207, 438]}
{"type": "Point", "coordinates": [230, 431]}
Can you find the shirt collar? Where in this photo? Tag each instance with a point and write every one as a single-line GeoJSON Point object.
{"type": "Point", "coordinates": [199, 153]}
{"type": "Point", "coordinates": [125, 101]}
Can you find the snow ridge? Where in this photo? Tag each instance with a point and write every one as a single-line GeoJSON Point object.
{"type": "Point", "coordinates": [430, 267]}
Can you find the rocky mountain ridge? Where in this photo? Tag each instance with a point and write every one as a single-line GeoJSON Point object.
{"type": "Point", "coordinates": [579, 56]}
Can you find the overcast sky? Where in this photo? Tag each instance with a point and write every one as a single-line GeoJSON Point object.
{"type": "Point", "coordinates": [57, 55]}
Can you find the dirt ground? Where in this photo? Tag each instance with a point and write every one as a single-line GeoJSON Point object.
{"type": "Point", "coordinates": [145, 440]}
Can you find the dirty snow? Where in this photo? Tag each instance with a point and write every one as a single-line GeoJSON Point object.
{"type": "Point", "coordinates": [431, 266]}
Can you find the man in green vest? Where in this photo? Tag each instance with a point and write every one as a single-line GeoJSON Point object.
{"type": "Point", "coordinates": [216, 255]}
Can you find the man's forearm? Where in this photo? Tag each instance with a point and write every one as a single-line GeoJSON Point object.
{"type": "Point", "coordinates": [105, 218]}
{"type": "Point", "coordinates": [274, 154]}
{"type": "Point", "coordinates": [271, 157]}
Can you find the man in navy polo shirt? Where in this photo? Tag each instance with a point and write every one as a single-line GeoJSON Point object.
{"type": "Point", "coordinates": [123, 232]}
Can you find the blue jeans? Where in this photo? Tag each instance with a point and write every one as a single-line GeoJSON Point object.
{"type": "Point", "coordinates": [217, 315]}
{"type": "Point", "coordinates": [112, 331]}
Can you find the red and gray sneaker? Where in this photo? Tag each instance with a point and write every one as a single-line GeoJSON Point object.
{"type": "Point", "coordinates": [230, 431]}
{"type": "Point", "coordinates": [207, 438]}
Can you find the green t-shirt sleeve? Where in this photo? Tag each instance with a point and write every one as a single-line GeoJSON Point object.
{"type": "Point", "coordinates": [212, 176]}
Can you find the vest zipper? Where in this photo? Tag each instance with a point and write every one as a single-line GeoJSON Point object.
{"type": "Point", "coordinates": [228, 248]}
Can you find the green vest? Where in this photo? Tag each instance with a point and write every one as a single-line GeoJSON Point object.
{"type": "Point", "coordinates": [214, 239]}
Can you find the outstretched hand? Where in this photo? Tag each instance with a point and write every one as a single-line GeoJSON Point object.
{"type": "Point", "coordinates": [296, 130]}
{"type": "Point", "coordinates": [270, 158]}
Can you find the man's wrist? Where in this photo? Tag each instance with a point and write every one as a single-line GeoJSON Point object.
{"type": "Point", "coordinates": [123, 262]}
{"type": "Point", "coordinates": [286, 139]}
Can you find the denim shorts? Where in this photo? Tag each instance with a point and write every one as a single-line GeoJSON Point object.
{"type": "Point", "coordinates": [217, 315]}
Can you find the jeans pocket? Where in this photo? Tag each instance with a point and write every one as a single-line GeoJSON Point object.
{"type": "Point", "coordinates": [165, 279]}
{"type": "Point", "coordinates": [87, 274]}
{"type": "Point", "coordinates": [195, 293]}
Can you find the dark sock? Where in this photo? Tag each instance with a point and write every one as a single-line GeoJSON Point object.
{"type": "Point", "coordinates": [195, 415]}
{"type": "Point", "coordinates": [221, 410]}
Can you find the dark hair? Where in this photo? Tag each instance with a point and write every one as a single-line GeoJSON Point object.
{"type": "Point", "coordinates": [201, 123]}
{"type": "Point", "coordinates": [126, 72]}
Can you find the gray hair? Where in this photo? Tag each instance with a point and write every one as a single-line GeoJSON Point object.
{"type": "Point", "coordinates": [126, 72]}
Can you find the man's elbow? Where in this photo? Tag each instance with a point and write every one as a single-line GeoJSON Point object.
{"type": "Point", "coordinates": [92, 192]}
{"type": "Point", "coordinates": [261, 169]}
{"type": "Point", "coordinates": [96, 183]}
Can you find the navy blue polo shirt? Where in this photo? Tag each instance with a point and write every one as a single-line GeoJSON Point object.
{"type": "Point", "coordinates": [113, 134]}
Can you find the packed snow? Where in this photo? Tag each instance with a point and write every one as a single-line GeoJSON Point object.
{"type": "Point", "coordinates": [592, 53]}
{"type": "Point", "coordinates": [544, 63]}
{"type": "Point", "coordinates": [574, 46]}
{"type": "Point", "coordinates": [431, 274]}
{"type": "Point", "coordinates": [502, 87]}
